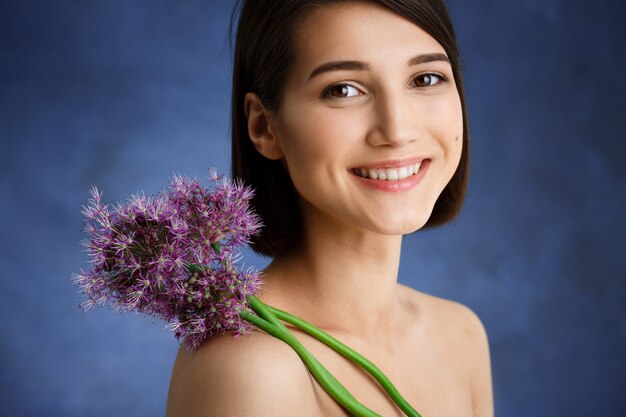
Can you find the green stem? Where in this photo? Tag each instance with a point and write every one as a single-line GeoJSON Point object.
{"type": "Point", "coordinates": [319, 372]}
{"type": "Point", "coordinates": [350, 354]}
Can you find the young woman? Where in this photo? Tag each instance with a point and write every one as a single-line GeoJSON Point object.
{"type": "Point", "coordinates": [349, 120]}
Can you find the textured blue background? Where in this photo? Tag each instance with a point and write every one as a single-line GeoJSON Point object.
{"type": "Point", "coordinates": [122, 93]}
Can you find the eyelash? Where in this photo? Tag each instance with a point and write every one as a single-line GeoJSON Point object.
{"type": "Point", "coordinates": [326, 93]}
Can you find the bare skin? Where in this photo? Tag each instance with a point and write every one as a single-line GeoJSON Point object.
{"type": "Point", "coordinates": [344, 277]}
{"type": "Point", "coordinates": [441, 366]}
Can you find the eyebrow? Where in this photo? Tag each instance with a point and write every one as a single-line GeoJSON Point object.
{"type": "Point", "coordinates": [363, 66]}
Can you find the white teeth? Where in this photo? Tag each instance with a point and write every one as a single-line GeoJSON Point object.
{"type": "Point", "coordinates": [389, 174]}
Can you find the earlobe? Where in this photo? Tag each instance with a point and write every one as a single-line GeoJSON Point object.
{"type": "Point", "coordinates": [260, 128]}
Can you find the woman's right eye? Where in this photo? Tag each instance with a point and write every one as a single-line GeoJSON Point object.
{"type": "Point", "coordinates": [340, 91]}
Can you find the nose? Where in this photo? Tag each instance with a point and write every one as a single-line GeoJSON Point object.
{"type": "Point", "coordinates": [396, 120]}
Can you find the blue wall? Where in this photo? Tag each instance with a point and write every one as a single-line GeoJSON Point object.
{"type": "Point", "coordinates": [122, 93]}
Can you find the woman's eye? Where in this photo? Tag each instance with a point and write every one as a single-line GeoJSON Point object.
{"type": "Point", "coordinates": [341, 91]}
{"type": "Point", "coordinates": [428, 80]}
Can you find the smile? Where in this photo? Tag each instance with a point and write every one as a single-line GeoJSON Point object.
{"type": "Point", "coordinates": [388, 174]}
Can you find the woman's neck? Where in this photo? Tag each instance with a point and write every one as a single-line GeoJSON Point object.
{"type": "Point", "coordinates": [340, 278]}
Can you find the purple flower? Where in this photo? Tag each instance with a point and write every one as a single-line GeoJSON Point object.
{"type": "Point", "coordinates": [174, 256]}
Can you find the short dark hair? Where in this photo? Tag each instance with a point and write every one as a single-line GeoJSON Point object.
{"type": "Point", "coordinates": [263, 56]}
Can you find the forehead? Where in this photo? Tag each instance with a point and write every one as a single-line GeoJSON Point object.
{"type": "Point", "coordinates": [358, 30]}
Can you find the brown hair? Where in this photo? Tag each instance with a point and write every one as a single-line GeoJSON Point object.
{"type": "Point", "coordinates": [263, 55]}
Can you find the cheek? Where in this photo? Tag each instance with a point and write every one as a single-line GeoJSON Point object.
{"type": "Point", "coordinates": [450, 127]}
{"type": "Point", "coordinates": [457, 133]}
{"type": "Point", "coordinates": [313, 142]}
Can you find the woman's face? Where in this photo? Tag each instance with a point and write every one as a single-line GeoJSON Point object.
{"type": "Point", "coordinates": [369, 98]}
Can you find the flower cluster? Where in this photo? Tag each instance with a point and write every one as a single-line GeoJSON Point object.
{"type": "Point", "coordinates": [174, 256]}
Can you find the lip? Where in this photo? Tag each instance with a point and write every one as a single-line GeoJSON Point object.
{"type": "Point", "coordinates": [393, 163]}
{"type": "Point", "coordinates": [397, 185]}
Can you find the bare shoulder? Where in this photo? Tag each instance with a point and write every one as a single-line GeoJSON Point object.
{"type": "Point", "coordinates": [462, 336]}
{"type": "Point", "coordinates": [254, 374]}
{"type": "Point", "coordinates": [451, 317]}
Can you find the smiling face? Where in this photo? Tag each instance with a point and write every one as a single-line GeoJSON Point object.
{"type": "Point", "coordinates": [370, 126]}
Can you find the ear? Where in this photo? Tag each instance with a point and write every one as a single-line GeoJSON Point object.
{"type": "Point", "coordinates": [260, 127]}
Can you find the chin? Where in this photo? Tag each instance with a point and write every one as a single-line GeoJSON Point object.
{"type": "Point", "coordinates": [402, 225]}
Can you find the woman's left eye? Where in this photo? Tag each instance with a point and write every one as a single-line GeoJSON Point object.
{"type": "Point", "coordinates": [428, 80]}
